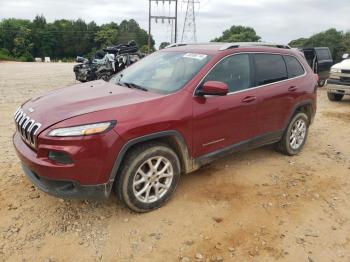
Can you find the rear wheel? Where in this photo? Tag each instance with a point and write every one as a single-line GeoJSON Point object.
{"type": "Point", "coordinates": [295, 136]}
{"type": "Point", "coordinates": [149, 175]}
{"type": "Point", "coordinates": [334, 97]}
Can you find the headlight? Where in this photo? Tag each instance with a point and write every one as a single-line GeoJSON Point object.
{"type": "Point", "coordinates": [335, 70]}
{"type": "Point", "coordinates": [84, 130]}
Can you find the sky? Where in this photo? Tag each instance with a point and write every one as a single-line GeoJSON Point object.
{"type": "Point", "coordinates": [277, 21]}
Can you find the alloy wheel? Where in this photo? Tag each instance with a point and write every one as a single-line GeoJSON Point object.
{"type": "Point", "coordinates": [153, 179]}
{"type": "Point", "coordinates": [297, 134]}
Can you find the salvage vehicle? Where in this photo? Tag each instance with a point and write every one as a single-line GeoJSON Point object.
{"type": "Point", "coordinates": [105, 64]}
{"type": "Point", "coordinates": [338, 84]}
{"type": "Point", "coordinates": [169, 114]}
{"type": "Point", "coordinates": [320, 60]}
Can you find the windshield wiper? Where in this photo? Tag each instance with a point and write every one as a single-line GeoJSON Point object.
{"type": "Point", "coordinates": [132, 85]}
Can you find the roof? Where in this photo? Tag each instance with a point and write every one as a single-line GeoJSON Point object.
{"type": "Point", "coordinates": [214, 47]}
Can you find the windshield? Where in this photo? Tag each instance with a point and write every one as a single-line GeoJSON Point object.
{"type": "Point", "coordinates": [162, 72]}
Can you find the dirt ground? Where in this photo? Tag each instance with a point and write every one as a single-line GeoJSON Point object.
{"type": "Point", "coordinates": [251, 206]}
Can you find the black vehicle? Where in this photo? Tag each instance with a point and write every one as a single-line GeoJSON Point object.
{"type": "Point", "coordinates": [320, 60]}
{"type": "Point", "coordinates": [104, 64]}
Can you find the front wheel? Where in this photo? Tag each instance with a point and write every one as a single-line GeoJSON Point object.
{"type": "Point", "coordinates": [334, 97]}
{"type": "Point", "coordinates": [148, 177]}
{"type": "Point", "coordinates": [295, 136]}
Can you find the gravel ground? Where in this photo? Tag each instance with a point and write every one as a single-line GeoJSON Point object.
{"type": "Point", "coordinates": [252, 206]}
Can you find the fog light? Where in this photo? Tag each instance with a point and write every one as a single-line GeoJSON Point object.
{"type": "Point", "coordinates": [60, 157]}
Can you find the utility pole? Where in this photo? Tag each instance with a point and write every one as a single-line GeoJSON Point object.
{"type": "Point", "coordinates": [170, 18]}
{"type": "Point", "coordinates": [189, 30]}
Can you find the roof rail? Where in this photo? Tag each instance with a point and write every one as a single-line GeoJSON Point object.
{"type": "Point", "coordinates": [175, 45]}
{"type": "Point", "coordinates": [247, 44]}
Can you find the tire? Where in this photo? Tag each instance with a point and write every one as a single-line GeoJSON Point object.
{"type": "Point", "coordinates": [334, 97]}
{"type": "Point", "coordinates": [321, 83]}
{"type": "Point", "coordinates": [136, 175]}
{"type": "Point", "coordinates": [285, 145]}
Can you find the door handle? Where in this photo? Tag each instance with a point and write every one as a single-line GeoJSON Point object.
{"type": "Point", "coordinates": [249, 99]}
{"type": "Point", "coordinates": [292, 89]}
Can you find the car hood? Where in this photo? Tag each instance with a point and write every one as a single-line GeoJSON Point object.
{"type": "Point", "coordinates": [68, 102]}
{"type": "Point", "coordinates": [345, 65]}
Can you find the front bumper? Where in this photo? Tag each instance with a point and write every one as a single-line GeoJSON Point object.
{"type": "Point", "coordinates": [68, 189]}
{"type": "Point", "coordinates": [87, 177]}
{"type": "Point", "coordinates": [338, 87]}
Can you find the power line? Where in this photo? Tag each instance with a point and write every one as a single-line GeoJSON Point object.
{"type": "Point", "coordinates": [172, 18]}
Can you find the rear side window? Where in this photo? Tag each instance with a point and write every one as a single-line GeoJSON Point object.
{"type": "Point", "coordinates": [323, 54]}
{"type": "Point", "coordinates": [294, 67]}
{"type": "Point", "coordinates": [269, 69]}
{"type": "Point", "coordinates": [234, 71]}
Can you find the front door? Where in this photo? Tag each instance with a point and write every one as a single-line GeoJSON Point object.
{"type": "Point", "coordinates": [221, 121]}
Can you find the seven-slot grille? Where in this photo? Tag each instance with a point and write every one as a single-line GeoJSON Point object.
{"type": "Point", "coordinates": [27, 127]}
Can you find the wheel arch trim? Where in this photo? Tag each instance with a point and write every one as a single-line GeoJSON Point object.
{"type": "Point", "coordinates": [308, 102]}
{"type": "Point", "coordinates": [185, 157]}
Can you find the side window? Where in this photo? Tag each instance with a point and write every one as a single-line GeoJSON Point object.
{"type": "Point", "coordinates": [234, 71]}
{"type": "Point", "coordinates": [294, 67]}
{"type": "Point", "coordinates": [269, 68]}
{"type": "Point", "coordinates": [323, 54]}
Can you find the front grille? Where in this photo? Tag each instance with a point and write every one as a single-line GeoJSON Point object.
{"type": "Point", "coordinates": [27, 127]}
{"type": "Point", "coordinates": [345, 79]}
{"type": "Point", "coordinates": [345, 71]}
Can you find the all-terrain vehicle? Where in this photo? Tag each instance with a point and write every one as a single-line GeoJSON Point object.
{"type": "Point", "coordinates": [105, 64]}
{"type": "Point", "coordinates": [338, 84]}
{"type": "Point", "coordinates": [169, 114]}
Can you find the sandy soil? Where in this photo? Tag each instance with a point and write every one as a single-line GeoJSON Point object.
{"type": "Point", "coordinates": [252, 206]}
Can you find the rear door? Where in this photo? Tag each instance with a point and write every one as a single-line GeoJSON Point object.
{"type": "Point", "coordinates": [220, 121]}
{"type": "Point", "coordinates": [324, 62]}
{"type": "Point", "coordinates": [275, 91]}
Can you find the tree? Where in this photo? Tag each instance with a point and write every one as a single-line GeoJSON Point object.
{"type": "Point", "coordinates": [107, 35]}
{"type": "Point", "coordinates": [130, 30]}
{"type": "Point", "coordinates": [335, 40]}
{"type": "Point", "coordinates": [163, 45]}
{"type": "Point", "coordinates": [24, 39]}
{"type": "Point", "coordinates": [238, 34]}
{"type": "Point", "coordinates": [298, 42]}
{"type": "Point", "coordinates": [39, 35]}
{"type": "Point", "coordinates": [347, 42]}
{"type": "Point", "coordinates": [22, 44]}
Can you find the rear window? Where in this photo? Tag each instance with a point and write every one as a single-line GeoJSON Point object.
{"type": "Point", "coordinates": [294, 67]}
{"type": "Point", "coordinates": [323, 54]}
{"type": "Point", "coordinates": [269, 69]}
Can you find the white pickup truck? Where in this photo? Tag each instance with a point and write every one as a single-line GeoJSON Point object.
{"type": "Point", "coordinates": [338, 83]}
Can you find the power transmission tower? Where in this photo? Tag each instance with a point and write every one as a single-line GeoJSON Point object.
{"type": "Point", "coordinates": [170, 18]}
{"type": "Point", "coordinates": [189, 32]}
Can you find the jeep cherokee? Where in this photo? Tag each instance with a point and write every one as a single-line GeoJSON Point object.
{"type": "Point", "coordinates": [168, 114]}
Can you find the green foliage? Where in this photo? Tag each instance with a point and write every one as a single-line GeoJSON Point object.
{"type": "Point", "coordinates": [63, 39]}
{"type": "Point", "coordinates": [5, 55]}
{"type": "Point", "coordinates": [337, 41]}
{"type": "Point", "coordinates": [163, 45]}
{"type": "Point", "coordinates": [144, 49]}
{"type": "Point", "coordinates": [298, 42]}
{"type": "Point", "coordinates": [238, 34]}
{"type": "Point", "coordinates": [107, 35]}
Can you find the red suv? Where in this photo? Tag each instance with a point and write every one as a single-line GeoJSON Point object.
{"type": "Point", "coordinates": [166, 115]}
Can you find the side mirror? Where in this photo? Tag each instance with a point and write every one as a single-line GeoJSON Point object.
{"type": "Point", "coordinates": [346, 56]}
{"type": "Point", "coordinates": [213, 88]}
